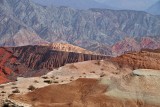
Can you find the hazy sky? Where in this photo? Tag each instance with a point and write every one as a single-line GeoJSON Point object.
{"type": "Point", "coordinates": [130, 4]}
{"type": "Point", "coordinates": [114, 4]}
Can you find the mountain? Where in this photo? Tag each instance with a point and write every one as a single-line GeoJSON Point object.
{"type": "Point", "coordinates": [77, 4]}
{"type": "Point", "coordinates": [154, 9]}
{"type": "Point", "coordinates": [135, 44]}
{"type": "Point", "coordinates": [102, 28]}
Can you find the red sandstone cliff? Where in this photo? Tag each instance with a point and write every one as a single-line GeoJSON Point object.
{"type": "Point", "coordinates": [145, 59]}
{"type": "Point", "coordinates": [36, 60]}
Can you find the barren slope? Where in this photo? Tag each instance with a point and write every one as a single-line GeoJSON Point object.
{"type": "Point", "coordinates": [69, 48]}
{"type": "Point", "coordinates": [145, 59]}
{"type": "Point", "coordinates": [36, 60]}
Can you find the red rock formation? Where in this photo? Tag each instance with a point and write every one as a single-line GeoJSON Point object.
{"type": "Point", "coordinates": [36, 60]}
{"type": "Point", "coordinates": [6, 58]}
{"type": "Point", "coordinates": [68, 48]}
{"type": "Point", "coordinates": [145, 59]}
{"type": "Point", "coordinates": [40, 57]}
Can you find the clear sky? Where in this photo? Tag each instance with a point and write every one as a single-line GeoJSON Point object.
{"type": "Point", "coordinates": [130, 4]}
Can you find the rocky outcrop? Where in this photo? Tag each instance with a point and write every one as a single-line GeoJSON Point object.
{"type": "Point", "coordinates": [36, 60]}
{"type": "Point", "coordinates": [145, 59]}
{"type": "Point", "coordinates": [39, 57]}
{"type": "Point", "coordinates": [6, 58]}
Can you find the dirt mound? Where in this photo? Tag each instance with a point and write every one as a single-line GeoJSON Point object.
{"type": "Point", "coordinates": [80, 93]}
{"type": "Point", "coordinates": [141, 85]}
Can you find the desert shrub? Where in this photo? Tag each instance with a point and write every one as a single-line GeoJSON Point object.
{"type": "Point", "coordinates": [3, 92]}
{"type": "Point", "coordinates": [16, 91]}
{"type": "Point", "coordinates": [31, 88]}
{"type": "Point", "coordinates": [45, 77]}
{"type": "Point", "coordinates": [53, 77]}
{"type": "Point", "coordinates": [48, 81]}
{"type": "Point", "coordinates": [102, 69]}
{"type": "Point", "coordinates": [14, 87]}
{"type": "Point", "coordinates": [102, 74]}
{"type": "Point", "coordinates": [98, 63]}
{"type": "Point", "coordinates": [13, 83]}
{"type": "Point", "coordinates": [72, 77]}
{"type": "Point", "coordinates": [35, 81]}
{"type": "Point", "coordinates": [55, 82]}
{"type": "Point", "coordinates": [92, 72]}
{"type": "Point", "coordinates": [2, 87]}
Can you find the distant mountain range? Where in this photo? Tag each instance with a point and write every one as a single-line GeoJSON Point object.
{"type": "Point", "coordinates": [155, 9]}
{"type": "Point", "coordinates": [115, 4]}
{"type": "Point", "coordinates": [23, 22]}
{"type": "Point", "coordinates": [77, 4]}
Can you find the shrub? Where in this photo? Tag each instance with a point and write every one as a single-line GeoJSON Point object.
{"type": "Point", "coordinates": [14, 87]}
{"type": "Point", "coordinates": [102, 74]}
{"type": "Point", "coordinates": [35, 81]}
{"type": "Point", "coordinates": [16, 91]}
{"type": "Point", "coordinates": [44, 77]}
{"type": "Point", "coordinates": [2, 87]}
{"type": "Point", "coordinates": [3, 92]}
{"type": "Point", "coordinates": [13, 83]}
{"type": "Point", "coordinates": [48, 81]}
{"type": "Point", "coordinates": [92, 72]}
{"type": "Point", "coordinates": [55, 82]}
{"type": "Point", "coordinates": [31, 88]}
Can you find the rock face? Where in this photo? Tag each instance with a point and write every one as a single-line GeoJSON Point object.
{"type": "Point", "coordinates": [85, 28]}
{"type": "Point", "coordinates": [39, 57]}
{"type": "Point", "coordinates": [6, 57]}
{"type": "Point", "coordinates": [145, 59]}
{"type": "Point", "coordinates": [36, 60]}
{"type": "Point", "coordinates": [68, 48]}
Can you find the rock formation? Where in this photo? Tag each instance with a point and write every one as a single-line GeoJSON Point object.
{"type": "Point", "coordinates": [145, 59]}
{"type": "Point", "coordinates": [36, 60]}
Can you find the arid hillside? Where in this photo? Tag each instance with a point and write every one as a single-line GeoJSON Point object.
{"type": "Point", "coordinates": [36, 60]}
{"type": "Point", "coordinates": [113, 82]}
{"type": "Point", "coordinates": [68, 48]}
{"type": "Point", "coordinates": [145, 59]}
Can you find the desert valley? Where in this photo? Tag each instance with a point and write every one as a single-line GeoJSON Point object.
{"type": "Point", "coordinates": [78, 55]}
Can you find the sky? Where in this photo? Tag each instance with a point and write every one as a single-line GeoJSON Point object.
{"type": "Point", "coordinates": [141, 5]}
{"type": "Point", "coordinates": [130, 4]}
